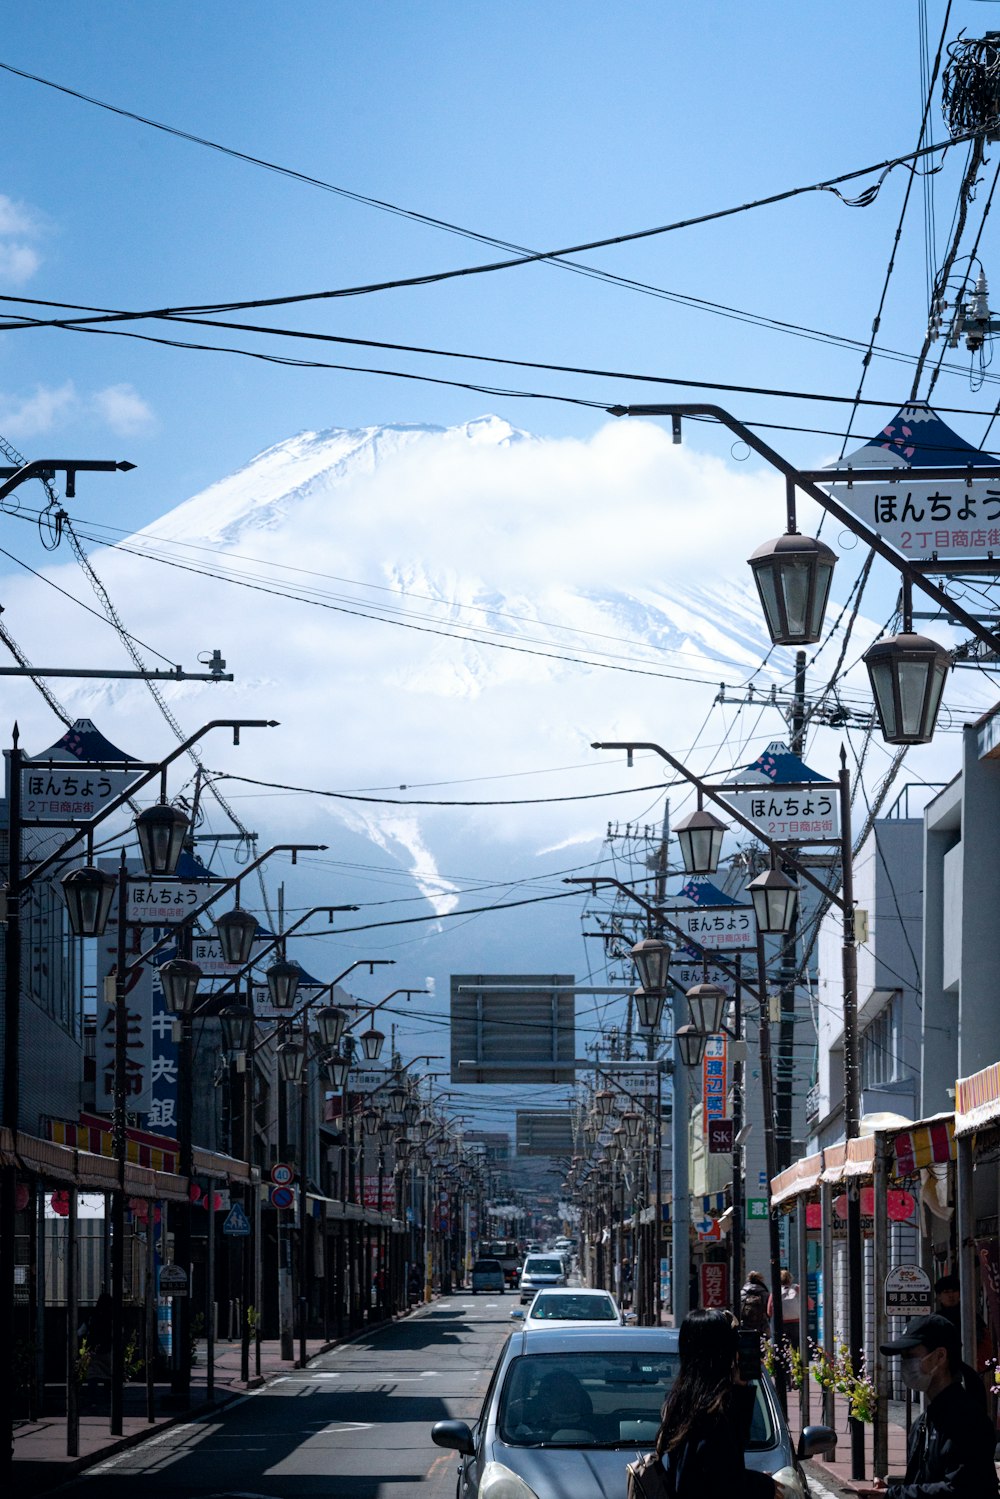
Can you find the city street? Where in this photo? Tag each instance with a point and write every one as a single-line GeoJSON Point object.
{"type": "Point", "coordinates": [354, 1425]}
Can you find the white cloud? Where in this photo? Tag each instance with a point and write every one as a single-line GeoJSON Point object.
{"type": "Point", "coordinates": [18, 260]}
{"type": "Point", "coordinates": [30, 416]}
{"type": "Point", "coordinates": [123, 409]}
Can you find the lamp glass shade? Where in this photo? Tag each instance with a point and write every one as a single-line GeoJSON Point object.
{"type": "Point", "coordinates": [283, 983]}
{"type": "Point", "coordinates": [179, 978]}
{"type": "Point", "coordinates": [336, 1068]}
{"type": "Point", "coordinates": [369, 1121]}
{"type": "Point", "coordinates": [386, 1134]}
{"type": "Point", "coordinates": [604, 1102]}
{"type": "Point", "coordinates": [88, 893]}
{"type": "Point", "coordinates": [330, 1022]}
{"type": "Point", "coordinates": [372, 1042]}
{"type": "Point", "coordinates": [793, 575]}
{"type": "Point", "coordinates": [649, 1008]}
{"type": "Point", "coordinates": [708, 1004]}
{"type": "Point", "coordinates": [162, 831]}
{"type": "Point", "coordinates": [237, 1022]}
{"type": "Point", "coordinates": [411, 1113]}
{"type": "Point", "coordinates": [700, 836]}
{"type": "Point", "coordinates": [425, 1128]}
{"type": "Point", "coordinates": [651, 957]}
{"type": "Point", "coordinates": [632, 1122]}
{"type": "Point", "coordinates": [291, 1061]}
{"type": "Point", "coordinates": [691, 1045]}
{"type": "Point", "coordinates": [397, 1097]}
{"type": "Point", "coordinates": [907, 674]}
{"type": "Point", "coordinates": [773, 895]}
{"type": "Point", "coordinates": [236, 931]}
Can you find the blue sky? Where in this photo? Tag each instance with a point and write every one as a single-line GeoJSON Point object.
{"type": "Point", "coordinates": [543, 123]}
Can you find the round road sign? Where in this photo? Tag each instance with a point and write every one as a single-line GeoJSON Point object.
{"type": "Point", "coordinates": [282, 1197]}
{"type": "Point", "coordinates": [282, 1175]}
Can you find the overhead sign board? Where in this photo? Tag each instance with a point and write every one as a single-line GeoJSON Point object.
{"type": "Point", "coordinates": [884, 484]}
{"type": "Point", "coordinates": [207, 953]}
{"type": "Point", "coordinates": [716, 929]}
{"type": "Point", "coordinates": [796, 816]}
{"type": "Point", "coordinates": [513, 1028]}
{"type": "Point", "coordinates": [71, 781]}
{"type": "Point", "coordinates": [544, 1132]}
{"type": "Point", "coordinates": [164, 902]}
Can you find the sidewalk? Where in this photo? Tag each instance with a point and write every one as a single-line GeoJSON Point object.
{"type": "Point", "coordinates": [836, 1475]}
{"type": "Point", "coordinates": [40, 1460]}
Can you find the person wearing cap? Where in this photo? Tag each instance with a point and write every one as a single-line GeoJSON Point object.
{"type": "Point", "coordinates": [950, 1451]}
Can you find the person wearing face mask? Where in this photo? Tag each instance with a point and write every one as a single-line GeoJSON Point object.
{"type": "Point", "coordinates": [950, 1451]}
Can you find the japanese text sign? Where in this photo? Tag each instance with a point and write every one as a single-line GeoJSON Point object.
{"type": "Point", "coordinates": [713, 1079]}
{"type": "Point", "coordinates": [812, 815]}
{"type": "Point", "coordinates": [922, 518]}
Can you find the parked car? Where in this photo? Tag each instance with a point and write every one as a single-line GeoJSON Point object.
{"type": "Point", "coordinates": [541, 1270]}
{"type": "Point", "coordinates": [568, 1408]}
{"type": "Point", "coordinates": [487, 1275]}
{"type": "Point", "coordinates": [558, 1306]}
{"type": "Point", "coordinates": [508, 1252]}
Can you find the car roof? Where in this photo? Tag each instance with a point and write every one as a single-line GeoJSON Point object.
{"type": "Point", "coordinates": [547, 1292]}
{"type": "Point", "coordinates": [594, 1337]}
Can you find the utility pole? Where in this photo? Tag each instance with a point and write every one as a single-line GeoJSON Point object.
{"type": "Point", "coordinates": [789, 962]}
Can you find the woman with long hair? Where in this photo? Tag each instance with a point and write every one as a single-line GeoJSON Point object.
{"type": "Point", "coordinates": [706, 1417]}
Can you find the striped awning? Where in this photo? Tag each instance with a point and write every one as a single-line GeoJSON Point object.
{"type": "Point", "coordinates": [977, 1100]}
{"type": "Point", "coordinates": [67, 1166]}
{"type": "Point", "coordinates": [930, 1142]}
{"type": "Point", "coordinates": [799, 1179]}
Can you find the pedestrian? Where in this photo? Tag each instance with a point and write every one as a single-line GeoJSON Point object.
{"type": "Point", "coordinates": [706, 1417]}
{"type": "Point", "coordinates": [950, 1450]}
{"type": "Point", "coordinates": [948, 1290]}
{"type": "Point", "coordinates": [791, 1307]}
{"type": "Point", "coordinates": [753, 1302]}
{"type": "Point", "coordinates": [98, 1333]}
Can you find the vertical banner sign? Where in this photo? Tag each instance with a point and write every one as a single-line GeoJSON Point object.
{"type": "Point", "coordinates": [714, 1286]}
{"type": "Point", "coordinates": [139, 1010]}
{"type": "Point", "coordinates": [713, 1080]}
{"type": "Point", "coordinates": [163, 1063]}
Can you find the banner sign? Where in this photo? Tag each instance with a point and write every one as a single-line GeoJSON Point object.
{"type": "Point", "coordinates": [164, 902]}
{"type": "Point", "coordinates": [713, 1077]}
{"type": "Point", "coordinates": [727, 929]}
{"type": "Point", "coordinates": [791, 815]}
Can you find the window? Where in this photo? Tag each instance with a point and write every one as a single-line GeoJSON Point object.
{"type": "Point", "coordinates": [879, 1045]}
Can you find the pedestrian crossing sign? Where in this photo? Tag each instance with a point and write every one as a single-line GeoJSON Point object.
{"type": "Point", "coordinates": [236, 1222]}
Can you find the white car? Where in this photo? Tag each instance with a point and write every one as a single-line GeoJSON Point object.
{"type": "Point", "coordinates": [541, 1270]}
{"type": "Point", "coordinates": [568, 1306]}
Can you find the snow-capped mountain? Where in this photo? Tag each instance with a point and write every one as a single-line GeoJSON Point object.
{"type": "Point", "coordinates": [442, 621]}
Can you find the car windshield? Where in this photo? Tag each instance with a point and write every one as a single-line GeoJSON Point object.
{"type": "Point", "coordinates": [543, 1267]}
{"type": "Point", "coordinates": [570, 1308]}
{"type": "Point", "coordinates": [493, 1267]}
{"type": "Point", "coordinates": [597, 1399]}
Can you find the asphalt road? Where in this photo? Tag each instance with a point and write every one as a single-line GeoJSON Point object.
{"type": "Point", "coordinates": [354, 1425]}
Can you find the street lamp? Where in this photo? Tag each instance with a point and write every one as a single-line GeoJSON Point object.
{"type": "Point", "coordinates": [604, 1103]}
{"type": "Point", "coordinates": [237, 1023]}
{"type": "Point", "coordinates": [700, 837]}
{"type": "Point", "coordinates": [283, 983]}
{"type": "Point", "coordinates": [708, 1004]}
{"type": "Point", "coordinates": [236, 931]}
{"type": "Point", "coordinates": [907, 674]}
{"type": "Point", "coordinates": [397, 1097]}
{"type": "Point", "coordinates": [632, 1124]}
{"type": "Point", "coordinates": [649, 1008]}
{"type": "Point", "coordinates": [651, 957]}
{"type": "Point", "coordinates": [179, 978]}
{"type": "Point", "coordinates": [793, 575]}
{"type": "Point", "coordinates": [371, 1041]}
{"type": "Point", "coordinates": [330, 1021]}
{"type": "Point", "coordinates": [336, 1068]}
{"type": "Point", "coordinates": [691, 1044]}
{"type": "Point", "coordinates": [773, 895]}
{"type": "Point", "coordinates": [88, 893]}
{"type": "Point", "coordinates": [162, 830]}
{"type": "Point", "coordinates": [291, 1057]}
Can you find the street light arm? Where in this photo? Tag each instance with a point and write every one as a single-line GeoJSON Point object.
{"type": "Point", "coordinates": [780, 850]}
{"type": "Point", "coordinates": [807, 484]}
{"type": "Point", "coordinates": [44, 468]}
{"type": "Point", "coordinates": [716, 958]}
{"type": "Point", "coordinates": [150, 775]}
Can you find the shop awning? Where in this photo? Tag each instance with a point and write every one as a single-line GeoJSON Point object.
{"type": "Point", "coordinates": [66, 1166]}
{"type": "Point", "coordinates": [930, 1142]}
{"type": "Point", "coordinates": [859, 1160]}
{"type": "Point", "coordinates": [977, 1100]}
{"type": "Point", "coordinates": [798, 1179]}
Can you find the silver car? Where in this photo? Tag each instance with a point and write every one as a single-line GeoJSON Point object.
{"type": "Point", "coordinates": [567, 1409]}
{"type": "Point", "coordinates": [541, 1270]}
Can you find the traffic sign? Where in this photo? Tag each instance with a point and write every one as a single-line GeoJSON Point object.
{"type": "Point", "coordinates": [173, 1281]}
{"type": "Point", "coordinates": [236, 1222]}
{"type": "Point", "coordinates": [282, 1197]}
{"type": "Point", "coordinates": [281, 1175]}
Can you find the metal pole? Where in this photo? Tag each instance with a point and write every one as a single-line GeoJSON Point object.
{"type": "Point", "coordinates": [152, 1338]}
{"type": "Point", "coordinates": [770, 1157]}
{"type": "Point", "coordinates": [249, 1245]}
{"type": "Point", "coordinates": [802, 1246]}
{"type": "Point", "coordinates": [658, 1227]}
{"type": "Point", "coordinates": [852, 1106]}
{"type": "Point", "coordinates": [827, 1331]}
{"type": "Point", "coordinates": [210, 1297]}
{"type": "Point", "coordinates": [180, 1383]}
{"type": "Point", "coordinates": [680, 1204]}
{"type": "Point", "coordinates": [11, 1107]}
{"type": "Point", "coordinates": [880, 1268]}
{"type": "Point", "coordinates": [303, 1144]}
{"type": "Point", "coordinates": [120, 1142]}
{"type": "Point", "coordinates": [72, 1325]}
{"type": "Point", "coordinates": [738, 1208]}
